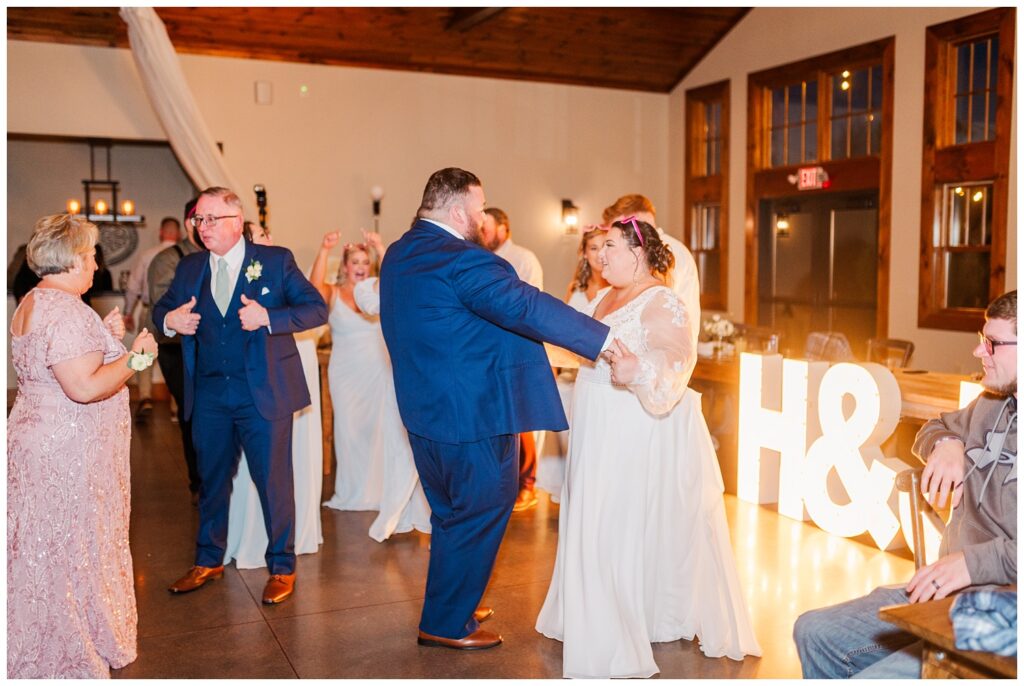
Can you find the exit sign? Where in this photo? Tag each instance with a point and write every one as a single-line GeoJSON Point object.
{"type": "Point", "coordinates": [812, 178]}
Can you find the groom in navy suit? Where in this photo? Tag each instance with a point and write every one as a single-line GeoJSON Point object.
{"type": "Point", "coordinates": [236, 308]}
{"type": "Point", "coordinates": [470, 373]}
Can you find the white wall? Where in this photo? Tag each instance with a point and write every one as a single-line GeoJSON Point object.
{"type": "Point", "coordinates": [42, 175]}
{"type": "Point", "coordinates": [532, 144]}
{"type": "Point", "coordinates": [771, 37]}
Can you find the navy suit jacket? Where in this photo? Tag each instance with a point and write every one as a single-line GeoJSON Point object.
{"type": "Point", "coordinates": [272, 365]}
{"type": "Point", "coordinates": [463, 330]}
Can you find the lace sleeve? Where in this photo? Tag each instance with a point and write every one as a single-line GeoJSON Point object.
{"type": "Point", "coordinates": [73, 331]}
{"type": "Point", "coordinates": [367, 296]}
{"type": "Point", "coordinates": [669, 358]}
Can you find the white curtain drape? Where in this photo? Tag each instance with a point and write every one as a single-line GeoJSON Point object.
{"type": "Point", "coordinates": [173, 102]}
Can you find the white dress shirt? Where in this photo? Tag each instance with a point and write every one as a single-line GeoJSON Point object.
{"type": "Point", "coordinates": [235, 256]}
{"type": "Point", "coordinates": [446, 228]}
{"type": "Point", "coordinates": [685, 282]}
{"type": "Point", "coordinates": [523, 260]}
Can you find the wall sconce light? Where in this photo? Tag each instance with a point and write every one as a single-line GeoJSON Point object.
{"type": "Point", "coordinates": [570, 216]}
{"type": "Point", "coordinates": [782, 225]}
{"type": "Point", "coordinates": [377, 193]}
{"type": "Point", "coordinates": [74, 206]}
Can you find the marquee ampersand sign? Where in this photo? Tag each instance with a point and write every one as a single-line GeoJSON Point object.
{"type": "Point", "coordinates": [851, 446]}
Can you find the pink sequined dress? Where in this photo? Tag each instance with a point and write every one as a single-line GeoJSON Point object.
{"type": "Point", "coordinates": [70, 594]}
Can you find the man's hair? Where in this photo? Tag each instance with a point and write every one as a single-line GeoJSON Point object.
{"type": "Point", "coordinates": [1004, 307]}
{"type": "Point", "coordinates": [225, 194]}
{"type": "Point", "coordinates": [499, 217]}
{"type": "Point", "coordinates": [627, 205]}
{"type": "Point", "coordinates": [444, 187]}
{"type": "Point", "coordinates": [171, 220]}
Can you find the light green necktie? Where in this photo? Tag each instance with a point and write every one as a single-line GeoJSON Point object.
{"type": "Point", "coordinates": [221, 290]}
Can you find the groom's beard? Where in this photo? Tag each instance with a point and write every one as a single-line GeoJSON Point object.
{"type": "Point", "coordinates": [473, 233]}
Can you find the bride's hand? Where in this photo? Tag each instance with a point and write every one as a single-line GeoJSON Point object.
{"type": "Point", "coordinates": [625, 365]}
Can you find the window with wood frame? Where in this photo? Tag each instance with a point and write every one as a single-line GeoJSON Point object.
{"type": "Point", "coordinates": [706, 189]}
{"type": "Point", "coordinates": [965, 167]}
{"type": "Point", "coordinates": [832, 111]}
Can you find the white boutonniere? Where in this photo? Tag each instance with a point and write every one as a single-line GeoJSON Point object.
{"type": "Point", "coordinates": [253, 271]}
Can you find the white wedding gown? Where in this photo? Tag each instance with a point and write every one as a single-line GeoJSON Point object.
{"type": "Point", "coordinates": [247, 534]}
{"type": "Point", "coordinates": [376, 470]}
{"type": "Point", "coordinates": [643, 546]}
{"type": "Point", "coordinates": [551, 468]}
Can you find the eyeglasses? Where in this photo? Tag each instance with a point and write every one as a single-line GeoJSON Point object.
{"type": "Point", "coordinates": [198, 220]}
{"type": "Point", "coordinates": [990, 344]}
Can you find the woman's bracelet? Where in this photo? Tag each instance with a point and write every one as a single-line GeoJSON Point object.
{"type": "Point", "coordinates": [139, 361]}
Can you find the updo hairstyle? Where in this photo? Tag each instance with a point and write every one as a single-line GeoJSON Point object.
{"type": "Point", "coordinates": [659, 256]}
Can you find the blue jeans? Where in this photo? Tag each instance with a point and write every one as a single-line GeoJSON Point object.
{"type": "Point", "coordinates": [850, 641]}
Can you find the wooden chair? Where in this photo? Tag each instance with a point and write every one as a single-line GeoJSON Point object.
{"type": "Point", "coordinates": [830, 346]}
{"type": "Point", "coordinates": [909, 481]}
{"type": "Point", "coordinates": [892, 352]}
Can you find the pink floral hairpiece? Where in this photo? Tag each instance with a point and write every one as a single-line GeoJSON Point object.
{"type": "Point", "coordinates": [632, 220]}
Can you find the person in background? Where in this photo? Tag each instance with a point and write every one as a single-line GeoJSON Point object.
{"type": "Point", "coordinates": [971, 455]}
{"type": "Point", "coordinates": [375, 470]}
{"type": "Point", "coordinates": [587, 283]}
{"type": "Point", "coordinates": [496, 236]}
{"type": "Point", "coordinates": [172, 366]}
{"type": "Point", "coordinates": [71, 610]}
{"type": "Point", "coordinates": [684, 280]}
{"type": "Point", "coordinates": [103, 281]}
{"type": "Point", "coordinates": [20, 277]}
{"type": "Point", "coordinates": [138, 291]}
{"type": "Point", "coordinates": [587, 280]}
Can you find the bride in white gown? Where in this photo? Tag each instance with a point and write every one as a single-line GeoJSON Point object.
{"type": "Point", "coordinates": [375, 464]}
{"type": "Point", "coordinates": [643, 546]}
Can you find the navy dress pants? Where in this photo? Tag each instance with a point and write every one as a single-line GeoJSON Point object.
{"type": "Point", "coordinates": [471, 488]}
{"type": "Point", "coordinates": [224, 422]}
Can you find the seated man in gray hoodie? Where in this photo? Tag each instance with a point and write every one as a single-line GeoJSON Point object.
{"type": "Point", "coordinates": [971, 454]}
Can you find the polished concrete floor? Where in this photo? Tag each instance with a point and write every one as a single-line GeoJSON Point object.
{"type": "Point", "coordinates": [357, 602]}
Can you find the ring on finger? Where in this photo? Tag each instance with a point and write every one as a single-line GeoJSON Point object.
{"type": "Point", "coordinates": [936, 584]}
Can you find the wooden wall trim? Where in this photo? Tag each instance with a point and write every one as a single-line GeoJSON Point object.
{"type": "Point", "coordinates": [710, 188]}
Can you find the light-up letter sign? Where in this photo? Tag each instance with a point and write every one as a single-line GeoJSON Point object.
{"type": "Point", "coordinates": [851, 446]}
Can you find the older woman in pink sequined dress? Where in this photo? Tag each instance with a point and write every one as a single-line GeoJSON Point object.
{"type": "Point", "coordinates": [70, 594]}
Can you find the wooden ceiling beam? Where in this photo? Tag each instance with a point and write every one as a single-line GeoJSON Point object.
{"type": "Point", "coordinates": [465, 18]}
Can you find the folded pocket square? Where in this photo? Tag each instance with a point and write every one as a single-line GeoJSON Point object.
{"type": "Point", "coordinates": [264, 291]}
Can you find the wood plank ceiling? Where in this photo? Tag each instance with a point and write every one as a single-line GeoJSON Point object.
{"type": "Point", "coordinates": [646, 49]}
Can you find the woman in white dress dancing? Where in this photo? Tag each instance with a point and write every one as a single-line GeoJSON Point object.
{"type": "Point", "coordinates": [643, 546]}
{"type": "Point", "coordinates": [375, 466]}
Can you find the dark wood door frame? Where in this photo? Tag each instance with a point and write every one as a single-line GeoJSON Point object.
{"type": "Point", "coordinates": [866, 173]}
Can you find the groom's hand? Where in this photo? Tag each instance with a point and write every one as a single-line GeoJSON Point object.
{"type": "Point", "coordinates": [253, 315]}
{"type": "Point", "coordinates": [182, 319]}
{"type": "Point", "coordinates": [625, 365]}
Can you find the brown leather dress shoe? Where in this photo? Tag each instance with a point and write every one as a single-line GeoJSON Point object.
{"type": "Point", "coordinates": [481, 639]}
{"type": "Point", "coordinates": [278, 588]}
{"type": "Point", "coordinates": [482, 614]}
{"type": "Point", "coordinates": [525, 500]}
{"type": "Point", "coordinates": [196, 577]}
